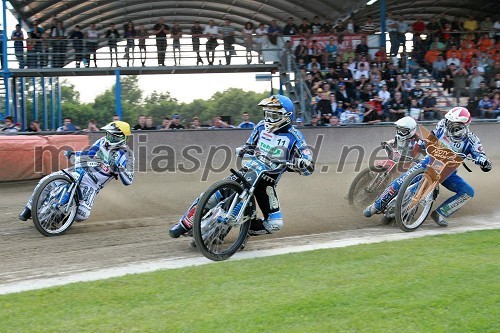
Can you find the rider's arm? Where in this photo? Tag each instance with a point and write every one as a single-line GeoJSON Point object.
{"type": "Point", "coordinates": [124, 166]}
{"type": "Point", "coordinates": [302, 155]}
{"type": "Point", "coordinates": [478, 154]}
{"type": "Point", "coordinates": [251, 143]}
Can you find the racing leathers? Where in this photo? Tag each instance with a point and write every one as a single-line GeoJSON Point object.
{"type": "Point", "coordinates": [469, 146]}
{"type": "Point", "coordinates": [287, 144]}
{"type": "Point", "coordinates": [113, 163]}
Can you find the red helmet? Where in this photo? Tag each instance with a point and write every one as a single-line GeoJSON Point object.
{"type": "Point", "coordinates": [457, 123]}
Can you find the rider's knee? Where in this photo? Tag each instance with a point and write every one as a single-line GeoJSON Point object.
{"type": "Point", "coordinates": [467, 190]}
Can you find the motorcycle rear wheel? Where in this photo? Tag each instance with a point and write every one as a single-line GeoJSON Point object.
{"type": "Point", "coordinates": [214, 236]}
{"type": "Point", "coordinates": [48, 219]}
{"type": "Point", "coordinates": [367, 186]}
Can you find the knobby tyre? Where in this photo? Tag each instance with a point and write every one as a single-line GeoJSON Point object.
{"type": "Point", "coordinates": [215, 238]}
{"type": "Point", "coordinates": [367, 186]}
{"type": "Point", "coordinates": [411, 211]}
{"type": "Point", "coordinates": [50, 220]}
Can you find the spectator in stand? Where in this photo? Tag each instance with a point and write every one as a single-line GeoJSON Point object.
{"type": "Point", "coordinates": [165, 124]}
{"type": "Point", "coordinates": [362, 71]}
{"type": "Point", "coordinates": [351, 115]}
{"type": "Point", "coordinates": [397, 107]}
{"type": "Point", "coordinates": [305, 28]}
{"type": "Point", "coordinates": [330, 52]}
{"type": "Point", "coordinates": [217, 123]}
{"type": "Point", "coordinates": [418, 28]}
{"type": "Point", "coordinates": [403, 28]}
{"type": "Point", "coordinates": [343, 96]}
{"type": "Point", "coordinates": [327, 27]}
{"type": "Point", "coordinates": [414, 109]}
{"type": "Point", "coordinates": [316, 50]}
{"type": "Point", "coordinates": [384, 96]}
{"type": "Point", "coordinates": [115, 118]}
{"type": "Point", "coordinates": [348, 53]}
{"type": "Point", "coordinates": [92, 41]}
{"type": "Point", "coordinates": [485, 43]}
{"type": "Point", "coordinates": [160, 30]}
{"type": "Point", "coordinates": [431, 56]}
{"type": "Point", "coordinates": [369, 27]}
{"type": "Point", "coordinates": [374, 113]}
{"type": "Point", "coordinates": [150, 126]}
{"type": "Point", "coordinates": [76, 37]}
{"type": "Point", "coordinates": [129, 34]}
{"type": "Point", "coordinates": [246, 123]}
{"type": "Point", "coordinates": [487, 25]}
{"type": "Point", "coordinates": [324, 106]}
{"type": "Point", "coordinates": [389, 76]}
{"type": "Point", "coordinates": [433, 29]}
{"type": "Point", "coordinates": [112, 35]}
{"type": "Point", "coordinates": [316, 26]}
{"type": "Point", "coordinates": [315, 121]}
{"type": "Point", "coordinates": [382, 55]}
{"type": "Point", "coordinates": [485, 108]}
{"type": "Point", "coordinates": [439, 68]}
{"type": "Point", "coordinates": [429, 102]}
{"type": "Point", "coordinates": [392, 28]}
{"type": "Point", "coordinates": [345, 76]}
{"type": "Point", "coordinates": [195, 123]}
{"type": "Point", "coordinates": [67, 126]}
{"type": "Point", "coordinates": [471, 24]}
{"type": "Point", "coordinates": [475, 80]}
{"type": "Point", "coordinates": [299, 122]}
{"type": "Point", "coordinates": [290, 28]}
{"type": "Point", "coordinates": [437, 44]}
{"type": "Point", "coordinates": [495, 82]}
{"type": "Point", "coordinates": [18, 37]}
{"type": "Point", "coordinates": [261, 40]}
{"type": "Point", "coordinates": [368, 93]}
{"type": "Point", "coordinates": [314, 63]}
{"type": "Point", "coordinates": [35, 34]}
{"type": "Point", "coordinates": [176, 34]}
{"type": "Point", "coordinates": [34, 127]}
{"type": "Point", "coordinates": [10, 126]}
{"type": "Point", "coordinates": [419, 50]}
{"type": "Point", "coordinates": [362, 48]}
{"type": "Point", "coordinates": [483, 90]}
{"type": "Point", "coordinates": [300, 51]}
{"type": "Point", "coordinates": [408, 85]}
{"type": "Point", "coordinates": [247, 33]}
{"type": "Point", "coordinates": [453, 59]}
{"type": "Point", "coordinates": [227, 31]}
{"type": "Point", "coordinates": [459, 76]}
{"type": "Point", "coordinates": [141, 123]}
{"type": "Point", "coordinates": [92, 126]}
{"type": "Point", "coordinates": [142, 34]}
{"type": "Point", "coordinates": [448, 82]}
{"type": "Point", "coordinates": [176, 122]}
{"type": "Point", "coordinates": [59, 38]}
{"type": "Point", "coordinates": [375, 77]}
{"type": "Point", "coordinates": [496, 104]}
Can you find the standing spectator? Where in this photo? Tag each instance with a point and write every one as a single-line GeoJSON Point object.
{"type": "Point", "coordinates": [330, 52]}
{"type": "Point", "coordinates": [403, 28]}
{"type": "Point", "coordinates": [433, 29]}
{"type": "Point", "coordinates": [487, 25]}
{"type": "Point", "coordinates": [431, 112]}
{"type": "Point", "coordinates": [31, 58]}
{"type": "Point", "coordinates": [217, 123]}
{"type": "Point", "coordinates": [92, 40]}
{"type": "Point", "coordinates": [195, 123]}
{"type": "Point", "coordinates": [35, 35]}
{"type": "Point", "coordinates": [176, 122]}
{"type": "Point", "coordinates": [211, 32]}
{"type": "Point", "coordinates": [417, 92]}
{"type": "Point", "coordinates": [300, 51]}
{"type": "Point", "coordinates": [160, 30]}
{"type": "Point", "coordinates": [10, 125]}
{"type": "Point", "coordinates": [273, 32]}
{"type": "Point", "coordinates": [316, 25]}
{"type": "Point", "coordinates": [92, 126]}
{"type": "Point", "coordinates": [129, 34]}
{"type": "Point", "coordinates": [369, 27]}
{"type": "Point", "coordinates": [414, 109]}
{"type": "Point", "coordinates": [459, 76]}
{"type": "Point", "coordinates": [141, 123]}
{"type": "Point", "coordinates": [45, 54]}
{"type": "Point", "coordinates": [327, 27]}
{"type": "Point", "coordinates": [418, 28]}
{"type": "Point", "coordinates": [34, 127]}
{"type": "Point", "coordinates": [392, 28]}
{"type": "Point", "coordinates": [227, 32]}
{"type": "Point", "coordinates": [485, 107]}
{"type": "Point", "coordinates": [18, 37]}
{"type": "Point", "coordinates": [305, 28]}
{"type": "Point", "coordinates": [165, 124]}
{"type": "Point", "coordinates": [290, 28]}
{"type": "Point", "coordinates": [149, 124]}
{"type": "Point", "coordinates": [76, 38]}
{"type": "Point", "coordinates": [439, 68]}
{"type": "Point", "coordinates": [112, 36]}
{"type": "Point", "coordinates": [471, 24]}
{"type": "Point", "coordinates": [397, 107]}
{"type": "Point", "coordinates": [246, 123]}
{"type": "Point", "coordinates": [67, 126]}
{"type": "Point", "coordinates": [176, 34]}
{"type": "Point", "coordinates": [142, 35]}
{"type": "Point", "coordinates": [196, 33]}
{"type": "Point", "coordinates": [59, 41]}
{"type": "Point", "coordinates": [247, 33]}
{"type": "Point", "coordinates": [474, 84]}
{"type": "Point", "coordinates": [261, 40]}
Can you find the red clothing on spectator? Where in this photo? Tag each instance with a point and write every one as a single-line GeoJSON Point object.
{"type": "Point", "coordinates": [418, 27]}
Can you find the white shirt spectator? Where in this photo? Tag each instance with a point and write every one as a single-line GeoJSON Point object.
{"type": "Point", "coordinates": [359, 73]}
{"type": "Point", "coordinates": [455, 61]}
{"type": "Point", "coordinates": [389, 23]}
{"type": "Point", "coordinates": [384, 95]}
{"type": "Point", "coordinates": [261, 35]}
{"type": "Point", "coordinates": [212, 31]}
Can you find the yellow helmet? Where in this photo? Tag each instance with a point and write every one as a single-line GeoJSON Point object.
{"type": "Point", "coordinates": [117, 133]}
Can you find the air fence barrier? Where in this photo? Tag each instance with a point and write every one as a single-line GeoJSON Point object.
{"type": "Point", "coordinates": [210, 151]}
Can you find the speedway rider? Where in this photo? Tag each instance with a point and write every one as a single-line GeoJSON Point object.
{"type": "Point", "coordinates": [277, 138]}
{"type": "Point", "coordinates": [405, 142]}
{"type": "Point", "coordinates": [452, 132]}
{"type": "Point", "coordinates": [116, 160]}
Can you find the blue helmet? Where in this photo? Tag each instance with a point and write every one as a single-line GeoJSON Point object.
{"type": "Point", "coordinates": [278, 112]}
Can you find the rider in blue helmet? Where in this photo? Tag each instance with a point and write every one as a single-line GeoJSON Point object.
{"type": "Point", "coordinates": [277, 138]}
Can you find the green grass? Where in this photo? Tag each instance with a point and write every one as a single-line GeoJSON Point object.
{"type": "Point", "coordinates": [447, 283]}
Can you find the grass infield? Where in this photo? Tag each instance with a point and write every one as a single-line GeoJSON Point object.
{"type": "Point", "coordinates": [445, 283]}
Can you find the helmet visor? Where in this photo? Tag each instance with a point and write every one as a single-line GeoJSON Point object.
{"type": "Point", "coordinates": [272, 115]}
{"type": "Point", "coordinates": [115, 137]}
{"type": "Point", "coordinates": [456, 130]}
{"type": "Point", "coordinates": [402, 131]}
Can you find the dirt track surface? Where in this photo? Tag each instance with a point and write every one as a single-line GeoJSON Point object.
{"type": "Point", "coordinates": [130, 224]}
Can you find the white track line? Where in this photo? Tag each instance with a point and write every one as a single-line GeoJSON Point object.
{"type": "Point", "coordinates": [171, 263]}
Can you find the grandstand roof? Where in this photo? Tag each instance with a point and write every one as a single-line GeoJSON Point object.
{"type": "Point", "coordinates": [103, 12]}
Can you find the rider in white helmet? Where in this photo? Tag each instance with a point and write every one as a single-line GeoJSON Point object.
{"type": "Point", "coordinates": [406, 138]}
{"type": "Point", "coordinates": [454, 133]}
{"type": "Point", "coordinates": [117, 161]}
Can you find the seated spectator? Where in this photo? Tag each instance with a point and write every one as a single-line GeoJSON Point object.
{"type": "Point", "coordinates": [362, 48]}
{"type": "Point", "coordinates": [195, 123]}
{"type": "Point", "coordinates": [315, 121]}
{"type": "Point", "coordinates": [368, 93]}
{"type": "Point", "coordinates": [343, 95]}
{"type": "Point", "coordinates": [10, 125]}
{"type": "Point", "coordinates": [415, 110]}
{"type": "Point", "coordinates": [314, 63]}
{"type": "Point", "coordinates": [92, 126]}
{"type": "Point", "coordinates": [471, 24]}
{"type": "Point", "coordinates": [453, 59]}
{"type": "Point", "coordinates": [246, 123]}
{"type": "Point", "coordinates": [348, 53]}
{"type": "Point", "coordinates": [374, 113]}
{"type": "Point", "coordinates": [417, 93]}
{"type": "Point", "coordinates": [429, 102]}
{"type": "Point", "coordinates": [408, 84]}
{"type": "Point", "coordinates": [217, 123]}
{"type": "Point", "coordinates": [34, 126]}
{"type": "Point", "coordinates": [149, 126]}
{"type": "Point", "coordinates": [439, 68]}
{"type": "Point", "coordinates": [397, 107]}
{"type": "Point", "coordinates": [384, 95]}
{"type": "Point", "coordinates": [165, 124]}
{"type": "Point", "coordinates": [176, 122]}
{"type": "Point", "coordinates": [324, 106]}
{"type": "Point", "coordinates": [485, 108]}
{"type": "Point", "coordinates": [459, 76]}
{"type": "Point", "coordinates": [361, 71]}
{"type": "Point", "coordinates": [300, 51]}
{"type": "Point", "coordinates": [431, 56]}
{"type": "Point", "coordinates": [68, 125]}
{"type": "Point", "coordinates": [331, 77]}
{"type": "Point", "coordinates": [350, 116]}
{"type": "Point", "coordinates": [299, 122]}
{"type": "Point", "coordinates": [485, 43]}
{"type": "Point", "coordinates": [333, 122]}
{"type": "Point", "coordinates": [141, 123]}
{"type": "Point", "coordinates": [330, 53]}
{"type": "Point", "coordinates": [381, 54]}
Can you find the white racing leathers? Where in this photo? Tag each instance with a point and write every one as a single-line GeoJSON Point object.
{"type": "Point", "coordinates": [114, 162]}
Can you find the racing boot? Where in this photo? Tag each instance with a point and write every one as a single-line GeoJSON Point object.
{"type": "Point", "coordinates": [184, 226]}
{"type": "Point", "coordinates": [25, 214]}
{"type": "Point", "coordinates": [370, 210]}
{"type": "Point", "coordinates": [257, 228]}
{"type": "Point", "coordinates": [439, 219]}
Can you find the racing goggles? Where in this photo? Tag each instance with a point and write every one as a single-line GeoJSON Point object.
{"type": "Point", "coordinates": [273, 114]}
{"type": "Point", "coordinates": [115, 137]}
{"type": "Point", "coordinates": [456, 130]}
{"type": "Point", "coordinates": [402, 131]}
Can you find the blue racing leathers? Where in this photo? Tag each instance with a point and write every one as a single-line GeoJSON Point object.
{"type": "Point", "coordinates": [470, 145]}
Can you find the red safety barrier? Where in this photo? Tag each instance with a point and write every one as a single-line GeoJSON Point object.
{"type": "Point", "coordinates": [30, 157]}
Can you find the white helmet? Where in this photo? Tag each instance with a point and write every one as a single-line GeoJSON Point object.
{"type": "Point", "coordinates": [405, 128]}
{"type": "Point", "coordinates": [457, 123]}
{"type": "Point", "coordinates": [117, 133]}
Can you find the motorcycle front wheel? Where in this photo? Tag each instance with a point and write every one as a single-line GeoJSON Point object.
{"type": "Point", "coordinates": [50, 217]}
{"type": "Point", "coordinates": [411, 208]}
{"type": "Point", "coordinates": [367, 186]}
{"type": "Point", "coordinates": [217, 236]}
